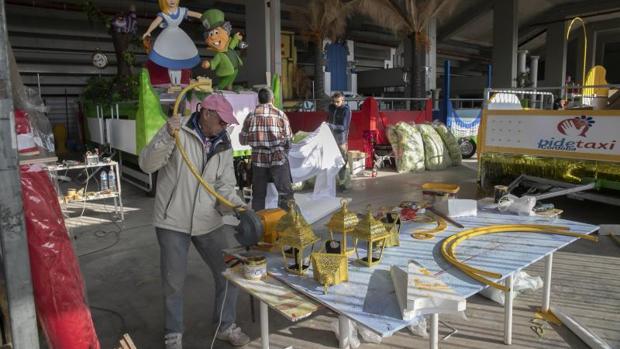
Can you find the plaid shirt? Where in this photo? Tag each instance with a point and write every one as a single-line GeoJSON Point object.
{"type": "Point", "coordinates": [268, 132]}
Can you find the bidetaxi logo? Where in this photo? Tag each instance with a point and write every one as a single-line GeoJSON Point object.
{"type": "Point", "coordinates": [574, 128]}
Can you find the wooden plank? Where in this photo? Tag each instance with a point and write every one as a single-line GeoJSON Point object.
{"type": "Point", "coordinates": [42, 158]}
{"type": "Point", "coordinates": [275, 294]}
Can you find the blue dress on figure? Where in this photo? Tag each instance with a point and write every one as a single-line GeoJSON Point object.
{"type": "Point", "coordinates": [173, 48]}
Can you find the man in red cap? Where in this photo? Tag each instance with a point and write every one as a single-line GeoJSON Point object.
{"type": "Point", "coordinates": [185, 213]}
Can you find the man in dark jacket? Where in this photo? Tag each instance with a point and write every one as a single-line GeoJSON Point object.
{"type": "Point", "coordinates": [339, 119]}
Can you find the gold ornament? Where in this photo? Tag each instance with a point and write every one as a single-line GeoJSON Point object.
{"type": "Point", "coordinates": [296, 233]}
{"type": "Point", "coordinates": [343, 222]}
{"type": "Point", "coordinates": [373, 232]}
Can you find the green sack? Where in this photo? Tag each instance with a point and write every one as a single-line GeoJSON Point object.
{"type": "Point", "coordinates": [450, 142]}
{"type": "Point", "coordinates": [436, 156]}
{"type": "Point", "coordinates": [150, 117]}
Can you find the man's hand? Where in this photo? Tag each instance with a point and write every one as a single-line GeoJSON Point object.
{"type": "Point", "coordinates": [238, 36]}
{"type": "Point", "coordinates": [173, 124]}
{"type": "Point", "coordinates": [205, 64]}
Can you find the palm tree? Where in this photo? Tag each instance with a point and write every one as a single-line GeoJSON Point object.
{"type": "Point", "coordinates": [324, 19]}
{"type": "Point", "coordinates": [408, 19]}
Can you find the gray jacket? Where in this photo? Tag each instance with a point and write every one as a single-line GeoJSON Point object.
{"type": "Point", "coordinates": [181, 203]}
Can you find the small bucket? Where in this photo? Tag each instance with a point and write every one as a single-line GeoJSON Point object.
{"type": "Point", "coordinates": [500, 191]}
{"type": "Point", "coordinates": [255, 268]}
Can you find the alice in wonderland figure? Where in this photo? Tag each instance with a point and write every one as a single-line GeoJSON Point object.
{"type": "Point", "coordinates": [173, 49]}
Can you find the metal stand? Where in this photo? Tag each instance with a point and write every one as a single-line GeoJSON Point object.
{"type": "Point", "coordinates": [101, 166]}
{"type": "Point", "coordinates": [547, 288]}
{"type": "Point", "coordinates": [508, 311]}
{"type": "Point", "coordinates": [264, 325]}
{"type": "Point", "coordinates": [344, 328]}
{"type": "Point", "coordinates": [553, 188]}
{"type": "Point", "coordinates": [434, 335]}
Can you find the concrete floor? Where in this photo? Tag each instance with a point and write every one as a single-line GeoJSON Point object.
{"type": "Point", "coordinates": [124, 286]}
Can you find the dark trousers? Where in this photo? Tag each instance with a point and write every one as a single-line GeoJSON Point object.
{"type": "Point", "coordinates": [174, 247]}
{"type": "Point", "coordinates": [281, 177]}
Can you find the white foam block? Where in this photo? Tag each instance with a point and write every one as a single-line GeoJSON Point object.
{"type": "Point", "coordinates": [457, 207]}
{"type": "Point", "coordinates": [420, 293]}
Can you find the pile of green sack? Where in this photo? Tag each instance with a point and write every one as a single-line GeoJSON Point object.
{"type": "Point", "coordinates": [407, 146]}
{"type": "Point", "coordinates": [423, 146]}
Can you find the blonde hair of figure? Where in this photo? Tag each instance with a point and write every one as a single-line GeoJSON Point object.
{"type": "Point", "coordinates": [163, 6]}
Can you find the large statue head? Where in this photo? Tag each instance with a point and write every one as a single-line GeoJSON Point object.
{"type": "Point", "coordinates": [217, 35]}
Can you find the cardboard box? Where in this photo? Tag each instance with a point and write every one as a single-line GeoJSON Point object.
{"type": "Point", "coordinates": [357, 161]}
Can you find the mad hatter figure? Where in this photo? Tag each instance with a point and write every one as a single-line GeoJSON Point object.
{"type": "Point", "coordinates": [173, 48]}
{"type": "Point", "coordinates": [226, 61]}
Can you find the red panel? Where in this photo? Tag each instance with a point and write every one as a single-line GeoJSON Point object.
{"type": "Point", "coordinates": [306, 121]}
{"type": "Point", "coordinates": [368, 118]}
{"type": "Point", "coordinates": [159, 75]}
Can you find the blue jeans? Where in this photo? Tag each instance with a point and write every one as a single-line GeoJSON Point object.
{"type": "Point", "coordinates": [174, 247]}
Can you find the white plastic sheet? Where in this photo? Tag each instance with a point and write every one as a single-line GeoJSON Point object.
{"type": "Point", "coordinates": [318, 156]}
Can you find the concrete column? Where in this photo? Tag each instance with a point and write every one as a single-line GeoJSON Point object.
{"type": "Point", "coordinates": [258, 60]}
{"type": "Point", "coordinates": [505, 39]}
{"type": "Point", "coordinates": [275, 38]}
{"type": "Point", "coordinates": [431, 55]}
{"type": "Point", "coordinates": [534, 70]}
{"type": "Point", "coordinates": [555, 55]}
{"type": "Point", "coordinates": [591, 58]}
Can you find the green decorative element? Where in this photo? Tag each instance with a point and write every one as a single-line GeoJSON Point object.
{"type": "Point", "coordinates": [109, 91]}
{"type": "Point", "coordinates": [212, 18]}
{"type": "Point", "coordinates": [150, 117]}
{"type": "Point", "coordinates": [242, 153]}
{"type": "Point", "coordinates": [277, 95]}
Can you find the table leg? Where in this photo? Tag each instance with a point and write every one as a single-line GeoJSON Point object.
{"type": "Point", "coordinates": [547, 290]}
{"type": "Point", "coordinates": [508, 311]}
{"type": "Point", "coordinates": [264, 325]}
{"type": "Point", "coordinates": [344, 327]}
{"type": "Point", "coordinates": [434, 335]}
{"type": "Point", "coordinates": [118, 188]}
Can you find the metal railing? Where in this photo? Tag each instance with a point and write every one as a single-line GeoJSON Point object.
{"type": "Point", "coordinates": [467, 103]}
{"type": "Point", "coordinates": [385, 103]}
{"type": "Point", "coordinates": [576, 96]}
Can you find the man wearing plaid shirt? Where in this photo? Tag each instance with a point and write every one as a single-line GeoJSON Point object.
{"type": "Point", "coordinates": [268, 132]}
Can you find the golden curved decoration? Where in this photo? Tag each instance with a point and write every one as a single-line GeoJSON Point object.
{"type": "Point", "coordinates": [448, 246]}
{"type": "Point", "coordinates": [427, 234]}
{"type": "Point", "coordinates": [585, 45]}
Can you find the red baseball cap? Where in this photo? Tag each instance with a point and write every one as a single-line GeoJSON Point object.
{"type": "Point", "coordinates": [219, 104]}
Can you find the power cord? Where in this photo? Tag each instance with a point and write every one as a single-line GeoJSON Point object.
{"type": "Point", "coordinates": [219, 323]}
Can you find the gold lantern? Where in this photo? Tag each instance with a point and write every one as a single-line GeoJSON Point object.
{"type": "Point", "coordinates": [373, 232]}
{"type": "Point", "coordinates": [329, 269]}
{"type": "Point", "coordinates": [296, 233]}
{"type": "Point", "coordinates": [391, 221]}
{"type": "Point", "coordinates": [343, 222]}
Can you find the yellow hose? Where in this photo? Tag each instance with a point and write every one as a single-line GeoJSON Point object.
{"type": "Point", "coordinates": [186, 158]}
{"type": "Point", "coordinates": [449, 245]}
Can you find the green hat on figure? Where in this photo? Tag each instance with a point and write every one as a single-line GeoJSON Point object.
{"type": "Point", "coordinates": [212, 18]}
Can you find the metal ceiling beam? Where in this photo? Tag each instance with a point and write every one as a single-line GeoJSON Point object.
{"type": "Point", "coordinates": [564, 12]}
{"type": "Point", "coordinates": [476, 10]}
